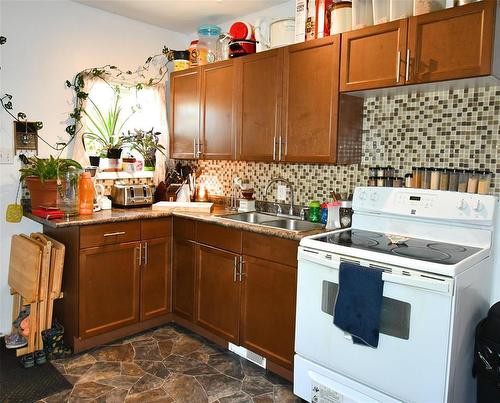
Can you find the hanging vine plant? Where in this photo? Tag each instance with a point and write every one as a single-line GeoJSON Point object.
{"type": "Point", "coordinates": [151, 73]}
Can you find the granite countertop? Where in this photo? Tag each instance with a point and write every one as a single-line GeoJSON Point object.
{"type": "Point", "coordinates": [120, 215]}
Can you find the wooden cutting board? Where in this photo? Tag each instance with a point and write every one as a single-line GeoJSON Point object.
{"type": "Point", "coordinates": [24, 267]}
{"type": "Point", "coordinates": [194, 207]}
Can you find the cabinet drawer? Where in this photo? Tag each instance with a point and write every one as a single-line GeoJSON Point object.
{"type": "Point", "coordinates": [107, 234]}
{"type": "Point", "coordinates": [219, 236]}
{"type": "Point", "coordinates": [185, 229]}
{"type": "Point", "coordinates": [156, 228]}
{"type": "Point", "coordinates": [271, 248]}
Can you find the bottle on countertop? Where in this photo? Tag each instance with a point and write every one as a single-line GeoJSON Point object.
{"type": "Point", "coordinates": [86, 194]}
{"type": "Point", "coordinates": [314, 211]}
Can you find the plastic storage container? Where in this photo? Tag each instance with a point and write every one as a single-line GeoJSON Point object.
{"type": "Point", "coordinates": [340, 17]}
{"type": "Point", "coordinates": [428, 6]}
{"type": "Point", "coordinates": [314, 211]}
{"type": "Point", "coordinates": [362, 13]}
{"type": "Point", "coordinates": [208, 43]}
{"type": "Point", "coordinates": [381, 11]}
{"type": "Point", "coordinates": [401, 9]}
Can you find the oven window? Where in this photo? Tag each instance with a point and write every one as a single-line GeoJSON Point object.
{"type": "Point", "coordinates": [394, 319]}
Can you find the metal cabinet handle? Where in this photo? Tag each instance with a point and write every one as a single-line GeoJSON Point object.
{"type": "Point", "coordinates": [235, 269]}
{"type": "Point", "coordinates": [146, 259]}
{"type": "Point", "coordinates": [279, 149]}
{"type": "Point", "coordinates": [407, 76]}
{"type": "Point", "coordinates": [194, 148]}
{"type": "Point", "coordinates": [241, 273]}
{"type": "Point", "coordinates": [274, 148]}
{"type": "Point", "coordinates": [114, 233]}
{"type": "Point", "coordinates": [198, 151]}
{"type": "Point", "coordinates": [398, 65]}
{"type": "Point", "coordinates": [139, 258]}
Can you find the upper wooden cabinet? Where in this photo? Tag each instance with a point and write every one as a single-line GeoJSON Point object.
{"type": "Point", "coordinates": [217, 111]}
{"type": "Point", "coordinates": [373, 57]}
{"type": "Point", "coordinates": [453, 43]}
{"type": "Point", "coordinates": [259, 101]}
{"type": "Point", "coordinates": [445, 45]}
{"type": "Point", "coordinates": [185, 114]}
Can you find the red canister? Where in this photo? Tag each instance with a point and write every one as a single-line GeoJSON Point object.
{"type": "Point", "coordinates": [241, 31]}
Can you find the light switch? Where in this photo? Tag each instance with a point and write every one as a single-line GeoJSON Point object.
{"type": "Point", "coordinates": [281, 192]}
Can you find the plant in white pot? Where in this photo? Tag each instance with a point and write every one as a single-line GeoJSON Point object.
{"type": "Point", "coordinates": [146, 143]}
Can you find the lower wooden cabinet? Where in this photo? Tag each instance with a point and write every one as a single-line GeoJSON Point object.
{"type": "Point", "coordinates": [109, 288]}
{"type": "Point", "coordinates": [155, 278]}
{"type": "Point", "coordinates": [218, 292]}
{"type": "Point", "coordinates": [183, 276]}
{"type": "Point", "coordinates": [268, 309]}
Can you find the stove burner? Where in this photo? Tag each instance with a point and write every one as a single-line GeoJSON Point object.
{"type": "Point", "coordinates": [421, 253]}
{"type": "Point", "coordinates": [446, 247]}
{"type": "Point", "coordinates": [365, 234]}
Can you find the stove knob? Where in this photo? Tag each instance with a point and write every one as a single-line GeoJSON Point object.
{"type": "Point", "coordinates": [374, 197]}
{"type": "Point", "coordinates": [461, 204]}
{"type": "Point", "coordinates": [477, 206]}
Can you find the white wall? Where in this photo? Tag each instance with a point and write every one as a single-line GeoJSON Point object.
{"type": "Point", "coordinates": [47, 43]}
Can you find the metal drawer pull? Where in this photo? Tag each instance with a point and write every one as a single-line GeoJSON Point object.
{"type": "Point", "coordinates": [194, 148]}
{"type": "Point", "coordinates": [145, 253]}
{"type": "Point", "coordinates": [407, 64]}
{"type": "Point", "coordinates": [398, 65]}
{"type": "Point", "coordinates": [114, 233]}
{"type": "Point", "coordinates": [235, 269]}
{"type": "Point", "coordinates": [279, 148]}
{"type": "Point", "coordinates": [241, 274]}
{"type": "Point", "coordinates": [139, 258]}
{"type": "Point", "coordinates": [274, 148]}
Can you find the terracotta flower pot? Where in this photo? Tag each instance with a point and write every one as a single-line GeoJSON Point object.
{"type": "Point", "coordinates": [42, 194]}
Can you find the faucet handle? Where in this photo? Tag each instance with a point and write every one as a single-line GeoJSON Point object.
{"type": "Point", "coordinates": [278, 206]}
{"type": "Point", "coordinates": [303, 213]}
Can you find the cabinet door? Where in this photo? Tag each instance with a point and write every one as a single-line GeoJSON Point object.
{"type": "Point", "coordinates": [451, 44]}
{"type": "Point", "coordinates": [260, 80]}
{"type": "Point", "coordinates": [155, 278]}
{"type": "Point", "coordinates": [184, 113]}
{"type": "Point", "coordinates": [217, 103]}
{"type": "Point", "coordinates": [218, 292]}
{"type": "Point", "coordinates": [373, 57]}
{"type": "Point", "coordinates": [108, 288]}
{"type": "Point", "coordinates": [268, 309]}
{"type": "Point", "coordinates": [311, 84]}
{"type": "Point", "coordinates": [183, 272]}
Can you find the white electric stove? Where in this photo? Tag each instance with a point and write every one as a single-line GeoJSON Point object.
{"type": "Point", "coordinates": [437, 274]}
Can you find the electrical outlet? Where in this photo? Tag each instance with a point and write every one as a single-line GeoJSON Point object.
{"type": "Point", "coordinates": [281, 192]}
{"type": "Point", "coordinates": [6, 156]}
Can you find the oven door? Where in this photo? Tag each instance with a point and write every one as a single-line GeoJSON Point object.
{"type": "Point", "coordinates": [410, 362]}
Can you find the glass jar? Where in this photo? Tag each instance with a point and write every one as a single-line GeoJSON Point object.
{"type": "Point", "coordinates": [380, 181]}
{"type": "Point", "coordinates": [408, 180]}
{"type": "Point", "coordinates": [444, 179]}
{"type": "Point", "coordinates": [435, 178]}
{"type": "Point", "coordinates": [208, 43]}
{"type": "Point", "coordinates": [398, 182]}
{"type": "Point", "coordinates": [417, 177]}
{"type": "Point", "coordinates": [426, 178]}
{"type": "Point", "coordinates": [223, 44]}
{"type": "Point", "coordinates": [390, 171]}
{"type": "Point", "coordinates": [68, 200]}
{"type": "Point", "coordinates": [314, 211]}
{"type": "Point", "coordinates": [473, 181]}
{"type": "Point", "coordinates": [381, 171]}
{"type": "Point", "coordinates": [388, 181]}
{"type": "Point", "coordinates": [483, 187]}
{"type": "Point", "coordinates": [372, 171]}
{"type": "Point", "coordinates": [453, 180]}
{"type": "Point", "coordinates": [372, 181]}
{"type": "Point", "coordinates": [463, 180]}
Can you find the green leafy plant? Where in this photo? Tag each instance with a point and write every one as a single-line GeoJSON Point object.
{"type": "Point", "coordinates": [48, 168]}
{"type": "Point", "coordinates": [146, 143]}
{"type": "Point", "coordinates": [105, 128]}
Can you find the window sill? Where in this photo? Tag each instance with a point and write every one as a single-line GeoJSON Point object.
{"type": "Point", "coordinates": [124, 175]}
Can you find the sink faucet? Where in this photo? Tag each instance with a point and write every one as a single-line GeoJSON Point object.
{"type": "Point", "coordinates": [289, 184]}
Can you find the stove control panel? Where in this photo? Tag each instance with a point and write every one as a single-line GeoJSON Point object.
{"type": "Point", "coordinates": [424, 203]}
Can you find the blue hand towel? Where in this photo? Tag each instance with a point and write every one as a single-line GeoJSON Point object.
{"type": "Point", "coordinates": [359, 303]}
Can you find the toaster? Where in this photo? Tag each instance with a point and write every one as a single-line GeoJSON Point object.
{"type": "Point", "coordinates": [131, 195]}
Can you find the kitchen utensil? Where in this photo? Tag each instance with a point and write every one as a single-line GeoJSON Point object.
{"type": "Point", "coordinates": [131, 195]}
{"type": "Point", "coordinates": [184, 194]}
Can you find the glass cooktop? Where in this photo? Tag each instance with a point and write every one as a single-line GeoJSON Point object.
{"type": "Point", "coordinates": [413, 248]}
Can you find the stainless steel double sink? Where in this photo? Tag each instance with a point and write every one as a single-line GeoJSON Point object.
{"type": "Point", "coordinates": [271, 220]}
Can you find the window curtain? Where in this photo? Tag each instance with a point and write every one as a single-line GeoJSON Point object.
{"type": "Point", "coordinates": [161, 160]}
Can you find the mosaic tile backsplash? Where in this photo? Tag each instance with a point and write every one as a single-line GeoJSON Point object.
{"type": "Point", "coordinates": [448, 129]}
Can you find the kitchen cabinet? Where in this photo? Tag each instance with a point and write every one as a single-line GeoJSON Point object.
{"type": "Point", "coordinates": [217, 108]}
{"type": "Point", "coordinates": [259, 101]}
{"type": "Point", "coordinates": [117, 279]}
{"type": "Point", "coordinates": [268, 302]}
{"type": "Point", "coordinates": [373, 57]}
{"type": "Point", "coordinates": [109, 288]}
{"type": "Point", "coordinates": [183, 277]}
{"type": "Point", "coordinates": [185, 114]}
{"type": "Point", "coordinates": [453, 43]}
{"type": "Point", "coordinates": [218, 292]}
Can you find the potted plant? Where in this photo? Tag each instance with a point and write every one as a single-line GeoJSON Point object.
{"type": "Point", "coordinates": [104, 130]}
{"type": "Point", "coordinates": [41, 176]}
{"type": "Point", "coordinates": [146, 143]}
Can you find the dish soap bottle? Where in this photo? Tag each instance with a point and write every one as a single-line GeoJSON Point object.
{"type": "Point", "coordinates": [86, 194]}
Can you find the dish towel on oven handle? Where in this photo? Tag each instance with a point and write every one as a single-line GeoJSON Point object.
{"type": "Point", "coordinates": [359, 302]}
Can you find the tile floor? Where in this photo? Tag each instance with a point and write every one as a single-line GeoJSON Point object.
{"type": "Point", "coordinates": [168, 364]}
